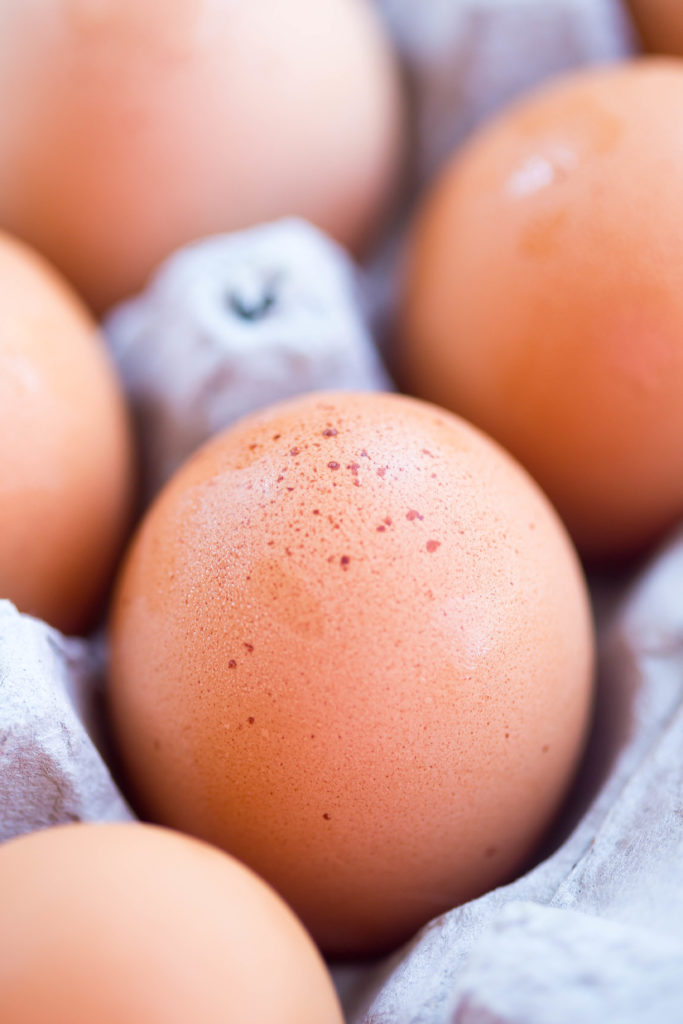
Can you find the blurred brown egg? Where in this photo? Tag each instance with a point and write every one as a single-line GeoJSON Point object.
{"type": "Point", "coordinates": [129, 924]}
{"type": "Point", "coordinates": [544, 301]}
{"type": "Point", "coordinates": [660, 24]}
{"type": "Point", "coordinates": [130, 127]}
{"type": "Point", "coordinates": [351, 644]}
{"type": "Point", "coordinates": [66, 468]}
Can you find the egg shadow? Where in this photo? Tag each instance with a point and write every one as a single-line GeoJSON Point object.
{"type": "Point", "coordinates": [614, 718]}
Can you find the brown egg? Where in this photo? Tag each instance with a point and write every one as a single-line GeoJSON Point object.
{"type": "Point", "coordinates": [351, 645]}
{"type": "Point", "coordinates": [65, 457]}
{"type": "Point", "coordinates": [660, 24]}
{"type": "Point", "coordinates": [130, 127]}
{"type": "Point", "coordinates": [544, 300]}
{"type": "Point", "coordinates": [129, 924]}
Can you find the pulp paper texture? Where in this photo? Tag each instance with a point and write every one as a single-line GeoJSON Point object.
{"type": "Point", "coordinates": [52, 769]}
{"type": "Point", "coordinates": [540, 965]}
{"type": "Point", "coordinates": [465, 59]}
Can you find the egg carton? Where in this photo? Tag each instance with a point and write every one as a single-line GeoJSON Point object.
{"type": "Point", "coordinates": [593, 930]}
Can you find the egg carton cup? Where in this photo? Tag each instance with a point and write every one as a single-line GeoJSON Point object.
{"type": "Point", "coordinates": [462, 61]}
{"type": "Point", "coordinates": [52, 737]}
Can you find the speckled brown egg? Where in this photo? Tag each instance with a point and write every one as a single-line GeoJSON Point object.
{"type": "Point", "coordinates": [129, 924]}
{"type": "Point", "coordinates": [66, 465]}
{"type": "Point", "coordinates": [351, 644]}
{"type": "Point", "coordinates": [130, 127]}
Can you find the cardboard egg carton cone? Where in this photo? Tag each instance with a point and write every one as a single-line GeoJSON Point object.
{"type": "Point", "coordinates": [465, 59]}
{"type": "Point", "coordinates": [231, 324]}
{"type": "Point", "coordinates": [52, 769]}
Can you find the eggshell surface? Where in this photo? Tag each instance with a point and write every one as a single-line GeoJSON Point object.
{"type": "Point", "coordinates": [130, 127]}
{"type": "Point", "coordinates": [66, 466]}
{"type": "Point", "coordinates": [129, 923]}
{"type": "Point", "coordinates": [351, 645]}
{"type": "Point", "coordinates": [543, 297]}
{"type": "Point", "coordinates": [660, 25]}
